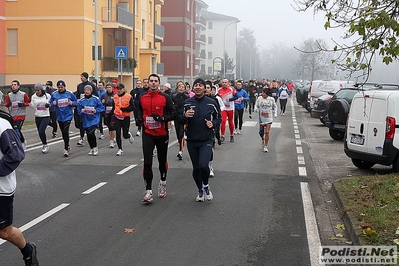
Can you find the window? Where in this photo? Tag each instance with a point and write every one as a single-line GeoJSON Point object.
{"type": "Point", "coordinates": [188, 5]}
{"type": "Point", "coordinates": [136, 7]}
{"type": "Point", "coordinates": [210, 25]}
{"type": "Point", "coordinates": [210, 71]}
{"type": "Point", "coordinates": [188, 33]}
{"type": "Point", "coordinates": [210, 55]}
{"type": "Point", "coordinates": [12, 42]}
{"type": "Point", "coordinates": [188, 60]}
{"type": "Point", "coordinates": [150, 12]}
{"type": "Point", "coordinates": [209, 40]}
{"type": "Point", "coordinates": [143, 29]}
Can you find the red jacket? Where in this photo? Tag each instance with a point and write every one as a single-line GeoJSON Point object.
{"type": "Point", "coordinates": [156, 103]}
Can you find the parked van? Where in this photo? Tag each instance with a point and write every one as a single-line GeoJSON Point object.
{"type": "Point", "coordinates": [321, 87]}
{"type": "Point", "coordinates": [371, 136]}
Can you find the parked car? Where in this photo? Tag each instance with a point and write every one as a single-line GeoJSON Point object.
{"type": "Point", "coordinates": [338, 109]}
{"type": "Point", "coordinates": [322, 87]}
{"type": "Point", "coordinates": [302, 93]}
{"type": "Point", "coordinates": [320, 107]}
{"type": "Point", "coordinates": [372, 134]}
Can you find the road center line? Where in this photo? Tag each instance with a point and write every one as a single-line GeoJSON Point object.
{"type": "Point", "coordinates": [90, 190]}
{"type": "Point", "coordinates": [312, 231]}
{"type": "Point", "coordinates": [40, 218]}
{"type": "Point", "coordinates": [121, 172]}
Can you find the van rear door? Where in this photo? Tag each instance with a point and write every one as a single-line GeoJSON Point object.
{"type": "Point", "coordinates": [357, 128]}
{"type": "Point", "coordinates": [377, 126]}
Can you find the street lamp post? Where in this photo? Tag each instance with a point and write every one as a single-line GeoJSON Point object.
{"type": "Point", "coordinates": [224, 45]}
{"type": "Point", "coordinates": [96, 39]}
{"type": "Point", "coordinates": [191, 39]}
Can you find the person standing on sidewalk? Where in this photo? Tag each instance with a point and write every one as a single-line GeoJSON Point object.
{"type": "Point", "coordinates": [16, 101]}
{"type": "Point", "coordinates": [266, 105]}
{"type": "Point", "coordinates": [41, 102]}
{"type": "Point", "coordinates": [53, 120]}
{"type": "Point", "coordinates": [155, 110]}
{"type": "Point", "coordinates": [201, 115]}
{"type": "Point", "coordinates": [64, 101]}
{"type": "Point", "coordinates": [11, 155]}
{"type": "Point", "coordinates": [90, 109]}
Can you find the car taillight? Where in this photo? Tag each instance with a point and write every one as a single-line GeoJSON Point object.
{"type": "Point", "coordinates": [390, 128]}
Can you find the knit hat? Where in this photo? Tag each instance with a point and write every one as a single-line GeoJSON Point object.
{"type": "Point", "coordinates": [167, 85]}
{"type": "Point", "coordinates": [199, 80]}
{"type": "Point", "coordinates": [61, 82]}
{"type": "Point", "coordinates": [49, 82]}
{"type": "Point", "coordinates": [85, 74]}
{"type": "Point", "coordinates": [39, 86]}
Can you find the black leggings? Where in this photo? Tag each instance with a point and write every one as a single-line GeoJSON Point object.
{"type": "Point", "coordinates": [251, 105]}
{"type": "Point", "coordinates": [283, 104]}
{"type": "Point", "coordinates": [19, 124]}
{"type": "Point", "coordinates": [64, 127]}
{"type": "Point", "coordinates": [238, 113]}
{"type": "Point", "coordinates": [179, 134]}
{"type": "Point", "coordinates": [53, 121]}
{"type": "Point", "coordinates": [200, 154]}
{"type": "Point", "coordinates": [41, 125]}
{"type": "Point", "coordinates": [119, 126]}
{"type": "Point", "coordinates": [91, 136]}
{"type": "Point", "coordinates": [149, 142]}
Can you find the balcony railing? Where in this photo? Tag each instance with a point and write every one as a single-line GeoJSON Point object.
{"type": "Point", "coordinates": [159, 32]}
{"type": "Point", "coordinates": [111, 64]}
{"type": "Point", "coordinates": [117, 14]}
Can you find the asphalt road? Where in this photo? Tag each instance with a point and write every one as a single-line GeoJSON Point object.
{"type": "Point", "coordinates": [85, 210]}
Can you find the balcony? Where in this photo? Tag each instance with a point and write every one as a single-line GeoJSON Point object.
{"type": "Point", "coordinates": [159, 33]}
{"type": "Point", "coordinates": [201, 39]}
{"type": "Point", "coordinates": [111, 64]}
{"type": "Point", "coordinates": [200, 22]}
{"type": "Point", "coordinates": [115, 17]}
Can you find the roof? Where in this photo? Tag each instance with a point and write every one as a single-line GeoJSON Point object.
{"type": "Point", "coordinates": [215, 16]}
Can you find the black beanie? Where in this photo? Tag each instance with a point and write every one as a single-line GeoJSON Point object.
{"type": "Point", "coordinates": [199, 80]}
{"type": "Point", "coordinates": [84, 74]}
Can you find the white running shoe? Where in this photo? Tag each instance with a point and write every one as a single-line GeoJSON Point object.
{"type": "Point", "coordinates": [208, 194]}
{"type": "Point", "coordinates": [239, 132]}
{"type": "Point", "coordinates": [200, 196]}
{"type": "Point", "coordinates": [161, 191]}
{"type": "Point", "coordinates": [148, 196]}
{"type": "Point", "coordinates": [45, 148]}
{"type": "Point", "coordinates": [265, 149]}
{"type": "Point", "coordinates": [119, 153]}
{"type": "Point", "coordinates": [95, 151]}
{"type": "Point", "coordinates": [180, 155]}
{"type": "Point", "coordinates": [111, 144]}
{"type": "Point", "coordinates": [138, 133]}
{"type": "Point", "coordinates": [131, 139]}
{"type": "Point", "coordinates": [66, 152]}
{"type": "Point", "coordinates": [235, 131]}
{"type": "Point", "coordinates": [211, 173]}
{"type": "Point", "coordinates": [25, 145]}
{"type": "Point", "coordinates": [101, 136]}
{"type": "Point", "coordinates": [81, 142]}
{"type": "Point", "coordinates": [91, 152]}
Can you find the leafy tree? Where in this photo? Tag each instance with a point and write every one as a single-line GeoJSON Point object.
{"type": "Point", "coordinates": [246, 44]}
{"type": "Point", "coordinates": [371, 27]}
{"type": "Point", "coordinates": [229, 65]}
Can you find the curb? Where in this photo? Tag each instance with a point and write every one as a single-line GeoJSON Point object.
{"type": "Point", "coordinates": [349, 220]}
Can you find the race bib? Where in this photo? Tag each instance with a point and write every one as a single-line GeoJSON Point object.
{"type": "Point", "coordinates": [274, 94]}
{"type": "Point", "coordinates": [14, 105]}
{"type": "Point", "coordinates": [63, 102]}
{"type": "Point", "coordinates": [152, 124]}
{"type": "Point", "coordinates": [108, 109]}
{"type": "Point", "coordinates": [40, 107]}
{"type": "Point", "coordinates": [89, 110]}
{"type": "Point", "coordinates": [238, 101]}
{"type": "Point", "coordinates": [265, 114]}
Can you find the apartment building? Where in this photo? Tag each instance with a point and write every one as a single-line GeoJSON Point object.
{"type": "Point", "coordinates": [50, 40]}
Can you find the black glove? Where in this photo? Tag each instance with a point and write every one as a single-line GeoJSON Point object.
{"type": "Point", "coordinates": [158, 117]}
{"type": "Point", "coordinates": [123, 109]}
{"type": "Point", "coordinates": [21, 105]}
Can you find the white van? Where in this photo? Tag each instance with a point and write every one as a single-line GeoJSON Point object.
{"type": "Point", "coordinates": [371, 134]}
{"type": "Point", "coordinates": [321, 87]}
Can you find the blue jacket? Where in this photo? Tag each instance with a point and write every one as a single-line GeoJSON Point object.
{"type": "Point", "coordinates": [238, 104]}
{"type": "Point", "coordinates": [205, 108]}
{"type": "Point", "coordinates": [88, 105]}
{"type": "Point", "coordinates": [64, 111]}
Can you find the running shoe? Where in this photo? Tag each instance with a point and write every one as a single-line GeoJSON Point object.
{"type": "Point", "coordinates": [111, 144]}
{"type": "Point", "coordinates": [239, 132]}
{"type": "Point", "coordinates": [148, 196]}
{"type": "Point", "coordinates": [235, 131]}
{"type": "Point", "coordinates": [81, 142]}
{"type": "Point", "coordinates": [180, 155]}
{"type": "Point", "coordinates": [250, 116]}
{"type": "Point", "coordinates": [231, 138]}
{"type": "Point", "coordinates": [95, 151]}
{"type": "Point", "coordinates": [200, 196]}
{"type": "Point", "coordinates": [45, 148]}
{"type": "Point", "coordinates": [161, 191]}
{"type": "Point", "coordinates": [101, 136]}
{"type": "Point", "coordinates": [222, 138]}
{"type": "Point", "coordinates": [32, 259]}
{"type": "Point", "coordinates": [208, 194]}
{"type": "Point", "coordinates": [91, 152]}
{"type": "Point", "coordinates": [66, 152]}
{"type": "Point", "coordinates": [25, 144]}
{"type": "Point", "coordinates": [138, 133]}
{"type": "Point", "coordinates": [131, 139]}
{"type": "Point", "coordinates": [265, 149]}
{"type": "Point", "coordinates": [211, 173]}
{"type": "Point", "coordinates": [119, 153]}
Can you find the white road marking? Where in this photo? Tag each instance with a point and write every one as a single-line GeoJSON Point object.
{"type": "Point", "coordinates": [124, 170]}
{"type": "Point", "coordinates": [297, 136]}
{"type": "Point", "coordinates": [312, 231]}
{"type": "Point", "coordinates": [40, 218]}
{"type": "Point", "coordinates": [299, 150]}
{"type": "Point", "coordinates": [301, 160]}
{"type": "Point", "coordinates": [302, 171]}
{"type": "Point", "coordinates": [94, 188]}
{"type": "Point", "coordinates": [249, 124]}
{"type": "Point", "coordinates": [298, 142]}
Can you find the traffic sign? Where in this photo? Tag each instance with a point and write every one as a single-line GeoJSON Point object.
{"type": "Point", "coordinates": [120, 52]}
